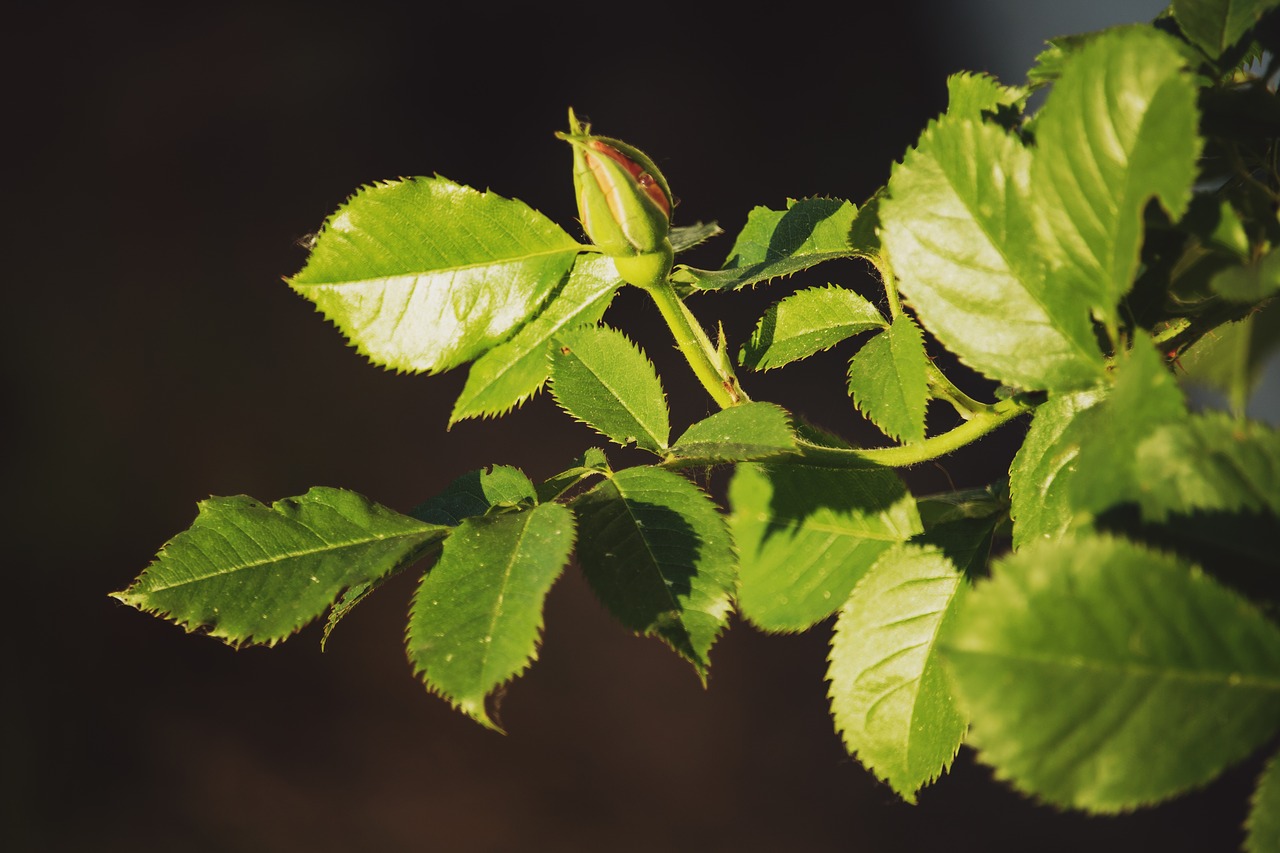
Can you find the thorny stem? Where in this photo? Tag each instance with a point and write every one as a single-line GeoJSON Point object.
{"type": "Point", "coordinates": [696, 346]}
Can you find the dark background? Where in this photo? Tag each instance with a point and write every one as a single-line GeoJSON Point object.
{"type": "Point", "coordinates": [168, 161]}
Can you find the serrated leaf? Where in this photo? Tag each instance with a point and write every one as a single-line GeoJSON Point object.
{"type": "Point", "coordinates": [688, 236]}
{"type": "Point", "coordinates": [475, 493]}
{"type": "Point", "coordinates": [512, 372]}
{"type": "Point", "coordinates": [889, 694]}
{"type": "Point", "coordinates": [425, 274]}
{"type": "Point", "coordinates": [805, 535]}
{"type": "Point", "coordinates": [963, 525]}
{"type": "Point", "coordinates": [1209, 462]}
{"type": "Point", "coordinates": [887, 380]}
{"type": "Point", "coordinates": [1118, 129]}
{"type": "Point", "coordinates": [778, 243]}
{"type": "Point", "coordinates": [808, 322]}
{"type": "Point", "coordinates": [1216, 25]}
{"type": "Point", "coordinates": [958, 227]}
{"type": "Point", "coordinates": [591, 463]}
{"type": "Point", "coordinates": [1104, 676]}
{"type": "Point", "coordinates": [477, 616]}
{"type": "Point", "coordinates": [738, 434]}
{"type": "Point", "coordinates": [605, 381]}
{"type": "Point", "coordinates": [1263, 824]}
{"type": "Point", "coordinates": [657, 553]}
{"type": "Point", "coordinates": [971, 95]}
{"type": "Point", "coordinates": [248, 573]}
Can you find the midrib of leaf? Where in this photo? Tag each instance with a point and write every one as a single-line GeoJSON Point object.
{"type": "Point", "coordinates": [279, 557]}
{"type": "Point", "coordinates": [1076, 663]}
{"type": "Point", "coordinates": [622, 398]}
{"type": "Point", "coordinates": [648, 549]}
{"type": "Point", "coordinates": [502, 597]}
{"type": "Point", "coordinates": [454, 268]}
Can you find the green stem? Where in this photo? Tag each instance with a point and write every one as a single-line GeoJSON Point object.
{"type": "Point", "coordinates": [696, 346]}
{"type": "Point", "coordinates": [912, 454]}
{"type": "Point", "coordinates": [944, 389]}
{"type": "Point", "coordinates": [890, 285]}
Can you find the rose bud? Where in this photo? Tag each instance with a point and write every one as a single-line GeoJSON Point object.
{"type": "Point", "coordinates": [624, 203]}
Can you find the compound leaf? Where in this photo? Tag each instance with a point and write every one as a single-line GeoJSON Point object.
{"type": "Point", "coordinates": [477, 615]}
{"type": "Point", "coordinates": [889, 695]}
{"type": "Point", "coordinates": [805, 535]}
{"type": "Point", "coordinates": [887, 380]}
{"type": "Point", "coordinates": [1104, 676]}
{"type": "Point", "coordinates": [512, 372]}
{"type": "Point", "coordinates": [1118, 129]}
{"type": "Point", "coordinates": [738, 434]}
{"type": "Point", "coordinates": [958, 227]}
{"type": "Point", "coordinates": [777, 243]}
{"type": "Point", "coordinates": [425, 274]}
{"type": "Point", "coordinates": [605, 381]}
{"type": "Point", "coordinates": [808, 322]}
{"type": "Point", "coordinates": [248, 573]}
{"type": "Point", "coordinates": [656, 552]}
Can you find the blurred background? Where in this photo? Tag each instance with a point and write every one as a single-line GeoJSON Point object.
{"type": "Point", "coordinates": [170, 158]}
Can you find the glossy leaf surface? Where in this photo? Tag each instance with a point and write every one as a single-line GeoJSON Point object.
{"type": "Point", "coordinates": [808, 322]}
{"type": "Point", "coordinates": [738, 434]}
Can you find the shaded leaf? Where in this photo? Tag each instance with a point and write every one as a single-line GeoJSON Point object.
{"type": "Point", "coordinates": [887, 380]}
{"type": "Point", "coordinates": [1231, 358]}
{"type": "Point", "coordinates": [1250, 282]}
{"type": "Point", "coordinates": [963, 526]}
{"type": "Point", "coordinates": [605, 381]}
{"type": "Point", "coordinates": [591, 463]}
{"type": "Point", "coordinates": [959, 232]}
{"type": "Point", "coordinates": [1216, 25]}
{"type": "Point", "coordinates": [778, 243]}
{"type": "Point", "coordinates": [1104, 676]}
{"type": "Point", "coordinates": [808, 322]}
{"type": "Point", "coordinates": [889, 694]}
{"type": "Point", "coordinates": [474, 493]}
{"type": "Point", "coordinates": [477, 615]}
{"type": "Point", "coordinates": [738, 434]}
{"type": "Point", "coordinates": [248, 573]}
{"type": "Point", "coordinates": [805, 535]}
{"type": "Point", "coordinates": [688, 236]}
{"type": "Point", "coordinates": [1263, 824]}
{"type": "Point", "coordinates": [656, 552]}
{"type": "Point", "coordinates": [425, 274]}
{"type": "Point", "coordinates": [1118, 129]}
{"type": "Point", "coordinates": [512, 372]}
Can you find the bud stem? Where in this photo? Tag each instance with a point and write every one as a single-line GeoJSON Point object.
{"type": "Point", "coordinates": [696, 346]}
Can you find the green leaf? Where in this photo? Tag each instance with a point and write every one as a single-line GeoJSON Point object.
{"type": "Point", "coordinates": [808, 322]}
{"type": "Point", "coordinates": [688, 236]}
{"type": "Point", "coordinates": [1043, 468]}
{"type": "Point", "coordinates": [591, 463]}
{"type": "Point", "coordinates": [1103, 676]}
{"type": "Point", "coordinates": [805, 535]}
{"type": "Point", "coordinates": [777, 243]}
{"type": "Point", "coordinates": [971, 95]}
{"type": "Point", "coordinates": [512, 372]}
{"type": "Point", "coordinates": [1118, 129]}
{"type": "Point", "coordinates": [1216, 25]}
{"type": "Point", "coordinates": [477, 616]}
{"type": "Point", "coordinates": [738, 434]}
{"type": "Point", "coordinates": [1251, 282]}
{"type": "Point", "coordinates": [1209, 462]}
{"type": "Point", "coordinates": [605, 381]}
{"type": "Point", "coordinates": [475, 493]}
{"type": "Point", "coordinates": [963, 525]}
{"type": "Point", "coordinates": [656, 552]}
{"type": "Point", "coordinates": [889, 694]}
{"type": "Point", "coordinates": [958, 227]}
{"type": "Point", "coordinates": [248, 573]}
{"type": "Point", "coordinates": [1231, 358]}
{"type": "Point", "coordinates": [425, 274]}
{"type": "Point", "coordinates": [888, 383]}
{"type": "Point", "coordinates": [1263, 824]}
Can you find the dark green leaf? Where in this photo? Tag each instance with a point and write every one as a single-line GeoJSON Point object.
{"type": "Point", "coordinates": [805, 536]}
{"type": "Point", "coordinates": [1216, 25]}
{"type": "Point", "coordinates": [474, 493]}
{"type": "Point", "coordinates": [248, 573]}
{"type": "Point", "coordinates": [808, 322]}
{"type": "Point", "coordinates": [1231, 358]}
{"type": "Point", "coordinates": [477, 616]}
{"type": "Point", "coordinates": [777, 243]}
{"type": "Point", "coordinates": [888, 383]}
{"type": "Point", "coordinates": [425, 274]}
{"type": "Point", "coordinates": [605, 381]}
{"type": "Point", "coordinates": [510, 373]}
{"type": "Point", "coordinates": [1103, 676]}
{"type": "Point", "coordinates": [959, 229]}
{"type": "Point", "coordinates": [1263, 825]}
{"type": "Point", "coordinates": [963, 526]}
{"type": "Point", "coordinates": [1251, 282]}
{"type": "Point", "coordinates": [889, 695]}
{"type": "Point", "coordinates": [1118, 129]}
{"type": "Point", "coordinates": [738, 434]}
{"type": "Point", "coordinates": [591, 463]}
{"type": "Point", "coordinates": [657, 553]}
